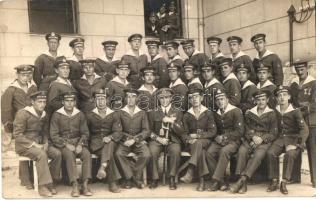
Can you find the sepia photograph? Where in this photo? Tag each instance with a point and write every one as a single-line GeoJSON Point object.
{"type": "Point", "coordinates": [143, 99]}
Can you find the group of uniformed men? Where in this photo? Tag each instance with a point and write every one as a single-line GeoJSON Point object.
{"type": "Point", "coordinates": [209, 107]}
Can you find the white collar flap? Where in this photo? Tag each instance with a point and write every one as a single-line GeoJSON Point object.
{"type": "Point", "coordinates": [195, 80]}
{"type": "Point", "coordinates": [156, 57]}
{"type": "Point", "coordinates": [240, 53]}
{"type": "Point", "coordinates": [247, 84]}
{"type": "Point", "coordinates": [104, 58]}
{"type": "Point", "coordinates": [16, 84]}
{"type": "Point", "coordinates": [118, 80]}
{"type": "Point", "coordinates": [108, 111]}
{"type": "Point", "coordinates": [265, 54]}
{"type": "Point", "coordinates": [266, 84]}
{"type": "Point", "coordinates": [254, 110]}
{"type": "Point", "coordinates": [220, 54]}
{"type": "Point", "coordinates": [95, 76]}
{"type": "Point", "coordinates": [31, 110]}
{"type": "Point", "coordinates": [230, 76]}
{"type": "Point", "coordinates": [289, 109]}
{"type": "Point", "coordinates": [176, 58]}
{"type": "Point", "coordinates": [203, 109]}
{"type": "Point", "coordinates": [229, 107]}
{"type": "Point", "coordinates": [131, 53]}
{"type": "Point", "coordinates": [143, 88]}
{"type": "Point", "coordinates": [177, 82]}
{"type": "Point", "coordinates": [212, 82]}
{"type": "Point", "coordinates": [195, 52]}
{"type": "Point", "coordinates": [307, 80]}
{"type": "Point", "coordinates": [137, 109]}
{"type": "Point", "coordinates": [63, 112]}
{"type": "Point", "coordinates": [63, 81]}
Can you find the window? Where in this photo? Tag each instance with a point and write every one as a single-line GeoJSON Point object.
{"type": "Point", "coordinates": [52, 15]}
{"type": "Point", "coordinates": [163, 19]}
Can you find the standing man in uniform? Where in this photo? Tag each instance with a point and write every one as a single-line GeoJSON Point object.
{"type": "Point", "coordinates": [165, 118]}
{"type": "Point", "coordinates": [147, 98]}
{"type": "Point", "coordinates": [136, 59]}
{"type": "Point", "coordinates": [173, 52]}
{"type": "Point", "coordinates": [293, 133]}
{"type": "Point", "coordinates": [44, 71]}
{"type": "Point", "coordinates": [69, 133]}
{"type": "Point", "coordinates": [303, 89]}
{"type": "Point", "coordinates": [14, 98]}
{"type": "Point", "coordinates": [216, 54]}
{"type": "Point", "coordinates": [158, 63]}
{"type": "Point", "coordinates": [89, 83]}
{"type": "Point", "coordinates": [200, 129]}
{"type": "Point", "coordinates": [61, 85]}
{"type": "Point", "coordinates": [268, 58]}
{"type": "Point", "coordinates": [191, 76]}
{"type": "Point", "coordinates": [77, 46]}
{"type": "Point", "coordinates": [105, 133]}
{"type": "Point", "coordinates": [230, 129]}
{"type": "Point", "coordinates": [106, 65]}
{"type": "Point", "coordinates": [239, 57]}
{"type": "Point", "coordinates": [230, 81]}
{"type": "Point", "coordinates": [30, 133]}
{"type": "Point", "coordinates": [261, 129]}
{"type": "Point", "coordinates": [211, 85]}
{"type": "Point", "coordinates": [135, 130]}
{"type": "Point", "coordinates": [195, 57]}
{"type": "Point", "coordinates": [117, 86]}
{"type": "Point", "coordinates": [178, 87]}
{"type": "Point", "coordinates": [248, 88]}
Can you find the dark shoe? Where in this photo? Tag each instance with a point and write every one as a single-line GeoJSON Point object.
{"type": "Point", "coordinates": [274, 185]}
{"type": "Point", "coordinates": [243, 188]}
{"type": "Point", "coordinates": [138, 183]}
{"type": "Point", "coordinates": [283, 188]}
{"type": "Point", "coordinates": [44, 192]}
{"type": "Point", "coordinates": [52, 188]}
{"type": "Point", "coordinates": [128, 184]}
{"type": "Point", "coordinates": [214, 186]}
{"type": "Point", "coordinates": [153, 184]}
{"type": "Point", "coordinates": [75, 190]}
{"type": "Point", "coordinates": [172, 183]}
{"type": "Point", "coordinates": [29, 186]}
{"type": "Point", "coordinates": [201, 186]}
{"type": "Point", "coordinates": [187, 178]}
{"type": "Point", "coordinates": [114, 188]}
{"type": "Point", "coordinates": [85, 188]}
{"type": "Point", "coordinates": [223, 186]}
{"type": "Point", "coordinates": [234, 188]}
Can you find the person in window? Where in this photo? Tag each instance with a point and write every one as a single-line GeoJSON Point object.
{"type": "Point", "coordinates": [152, 25]}
{"type": "Point", "coordinates": [44, 71]}
{"type": "Point", "coordinates": [77, 46]}
{"type": "Point", "coordinates": [170, 29]}
{"type": "Point", "coordinates": [106, 65]}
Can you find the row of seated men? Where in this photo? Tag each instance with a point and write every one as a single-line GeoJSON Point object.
{"type": "Point", "coordinates": [228, 128]}
{"type": "Point", "coordinates": [179, 76]}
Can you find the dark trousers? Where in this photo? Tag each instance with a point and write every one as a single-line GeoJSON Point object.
{"type": "Point", "coordinates": [174, 154]}
{"type": "Point", "coordinates": [218, 157]}
{"type": "Point", "coordinates": [198, 157]}
{"type": "Point", "coordinates": [128, 168]}
{"type": "Point", "coordinates": [106, 155]}
{"type": "Point", "coordinates": [70, 158]}
{"type": "Point", "coordinates": [40, 156]}
{"type": "Point", "coordinates": [311, 152]}
{"type": "Point", "coordinates": [249, 160]}
{"type": "Point", "coordinates": [273, 162]}
{"type": "Point", "coordinates": [54, 166]}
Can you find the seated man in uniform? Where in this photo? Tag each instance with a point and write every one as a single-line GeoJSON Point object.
{"type": "Point", "coordinates": [31, 131]}
{"type": "Point", "coordinates": [230, 81]}
{"type": "Point", "coordinates": [116, 87]}
{"type": "Point", "coordinates": [106, 65]}
{"type": "Point", "coordinates": [105, 129]}
{"type": "Point", "coordinates": [147, 99]}
{"type": "Point", "coordinates": [200, 129]}
{"type": "Point", "coordinates": [165, 118]}
{"type": "Point", "coordinates": [261, 128]}
{"type": "Point", "coordinates": [293, 133]}
{"type": "Point", "coordinates": [69, 132]}
{"type": "Point", "coordinates": [230, 128]}
{"type": "Point", "coordinates": [87, 85]}
{"type": "Point", "coordinates": [135, 131]}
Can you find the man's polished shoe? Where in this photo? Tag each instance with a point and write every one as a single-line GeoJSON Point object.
{"type": "Point", "coordinates": [114, 188]}
{"type": "Point", "coordinates": [234, 188]}
{"type": "Point", "coordinates": [75, 189]}
{"type": "Point", "coordinates": [243, 188]}
{"type": "Point", "coordinates": [153, 184]}
{"type": "Point", "coordinates": [201, 186]}
{"type": "Point", "coordinates": [52, 188]}
{"type": "Point", "coordinates": [128, 184]}
{"type": "Point", "coordinates": [44, 192]}
{"type": "Point", "coordinates": [172, 183]}
{"type": "Point", "coordinates": [274, 185]}
{"type": "Point", "coordinates": [283, 188]}
{"type": "Point", "coordinates": [214, 186]}
{"type": "Point", "coordinates": [138, 183]}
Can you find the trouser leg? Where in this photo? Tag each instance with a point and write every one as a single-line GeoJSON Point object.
{"type": "Point", "coordinates": [212, 156]}
{"type": "Point", "coordinates": [123, 162]}
{"type": "Point", "coordinates": [198, 157]}
{"type": "Point", "coordinates": [70, 159]}
{"type": "Point", "coordinates": [85, 156]}
{"type": "Point", "coordinates": [174, 154]}
{"type": "Point", "coordinates": [55, 164]}
{"type": "Point", "coordinates": [242, 158]}
{"type": "Point", "coordinates": [273, 160]}
{"type": "Point", "coordinates": [289, 158]}
{"type": "Point", "coordinates": [24, 173]}
{"type": "Point", "coordinates": [155, 149]}
{"type": "Point", "coordinates": [311, 152]}
{"type": "Point", "coordinates": [143, 156]}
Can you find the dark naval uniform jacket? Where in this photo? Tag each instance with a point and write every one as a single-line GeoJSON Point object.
{"type": "Point", "coordinates": [242, 58]}
{"type": "Point", "coordinates": [76, 70]}
{"type": "Point", "coordinates": [209, 90]}
{"type": "Point", "coordinates": [106, 68]}
{"type": "Point", "coordinates": [162, 76]}
{"type": "Point", "coordinates": [232, 89]}
{"type": "Point", "coordinates": [247, 91]}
